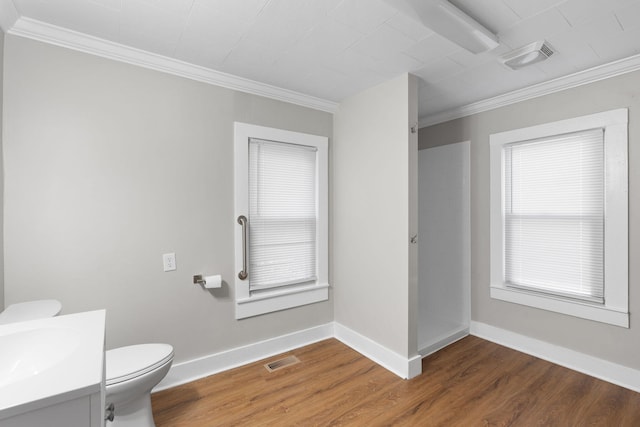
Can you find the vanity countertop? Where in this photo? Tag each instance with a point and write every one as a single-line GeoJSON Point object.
{"type": "Point", "coordinates": [47, 361]}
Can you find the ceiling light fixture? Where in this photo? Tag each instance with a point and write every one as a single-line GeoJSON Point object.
{"type": "Point", "coordinates": [450, 22]}
{"type": "Point", "coordinates": [527, 55]}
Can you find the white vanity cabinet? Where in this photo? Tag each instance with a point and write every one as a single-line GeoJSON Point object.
{"type": "Point", "coordinates": [55, 374]}
{"type": "Point", "coordinates": [81, 412]}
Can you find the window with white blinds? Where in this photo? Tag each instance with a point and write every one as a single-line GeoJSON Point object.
{"type": "Point", "coordinates": [554, 215]}
{"type": "Point", "coordinates": [559, 217]}
{"type": "Point", "coordinates": [281, 204]}
{"type": "Point", "coordinates": [282, 214]}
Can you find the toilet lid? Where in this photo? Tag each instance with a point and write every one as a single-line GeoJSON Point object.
{"type": "Point", "coordinates": [125, 363]}
{"type": "Point", "coordinates": [30, 310]}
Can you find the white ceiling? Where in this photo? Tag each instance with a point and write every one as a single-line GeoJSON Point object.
{"type": "Point", "coordinates": [332, 49]}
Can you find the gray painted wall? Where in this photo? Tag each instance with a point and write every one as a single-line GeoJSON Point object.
{"type": "Point", "coordinates": [618, 345]}
{"type": "Point", "coordinates": [374, 213]}
{"type": "Point", "coordinates": [107, 167]}
{"type": "Point", "coordinates": [1, 174]}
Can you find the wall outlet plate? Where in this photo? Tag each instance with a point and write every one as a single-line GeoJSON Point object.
{"type": "Point", "coordinates": [169, 261]}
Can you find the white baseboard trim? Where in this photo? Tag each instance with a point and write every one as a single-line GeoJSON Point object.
{"type": "Point", "coordinates": [447, 339]}
{"type": "Point", "coordinates": [388, 359]}
{"type": "Point", "coordinates": [608, 371]}
{"type": "Point", "coordinates": [192, 370]}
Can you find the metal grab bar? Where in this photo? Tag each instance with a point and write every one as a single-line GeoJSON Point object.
{"type": "Point", "coordinates": [242, 220]}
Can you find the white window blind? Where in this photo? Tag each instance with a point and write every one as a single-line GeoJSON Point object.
{"type": "Point", "coordinates": [282, 214]}
{"type": "Point", "coordinates": [554, 215]}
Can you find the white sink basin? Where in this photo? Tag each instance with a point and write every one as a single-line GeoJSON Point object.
{"type": "Point", "coordinates": [31, 352]}
{"type": "Point", "coordinates": [45, 361]}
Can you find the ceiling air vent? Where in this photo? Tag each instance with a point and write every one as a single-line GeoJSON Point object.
{"type": "Point", "coordinates": [527, 55]}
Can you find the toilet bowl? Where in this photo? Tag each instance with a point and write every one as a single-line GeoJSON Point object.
{"type": "Point", "coordinates": [30, 310]}
{"type": "Point", "coordinates": [131, 373]}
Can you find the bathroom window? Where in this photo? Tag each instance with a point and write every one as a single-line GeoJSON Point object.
{"type": "Point", "coordinates": [559, 217]}
{"type": "Point", "coordinates": [281, 189]}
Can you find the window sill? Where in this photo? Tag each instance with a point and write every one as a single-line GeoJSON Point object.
{"type": "Point", "coordinates": [584, 310]}
{"type": "Point", "coordinates": [276, 300]}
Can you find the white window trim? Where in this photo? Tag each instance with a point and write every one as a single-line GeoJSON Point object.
{"type": "Point", "coordinates": [615, 310]}
{"type": "Point", "coordinates": [291, 296]}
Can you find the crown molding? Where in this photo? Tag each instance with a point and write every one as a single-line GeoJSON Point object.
{"type": "Point", "coordinates": [8, 15]}
{"type": "Point", "coordinates": [47, 33]}
{"type": "Point", "coordinates": [591, 75]}
{"type": "Point", "coordinates": [11, 23]}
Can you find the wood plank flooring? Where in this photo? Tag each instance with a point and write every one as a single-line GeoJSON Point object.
{"type": "Point", "coordinates": [470, 383]}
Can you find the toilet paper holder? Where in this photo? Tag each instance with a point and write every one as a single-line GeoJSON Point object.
{"type": "Point", "coordinates": [209, 282]}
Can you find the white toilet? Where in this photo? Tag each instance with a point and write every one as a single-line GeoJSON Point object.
{"type": "Point", "coordinates": [30, 310]}
{"type": "Point", "coordinates": [131, 373]}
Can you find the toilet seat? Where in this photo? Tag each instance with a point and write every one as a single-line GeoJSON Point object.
{"type": "Point", "coordinates": [30, 310]}
{"type": "Point", "coordinates": [126, 363]}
